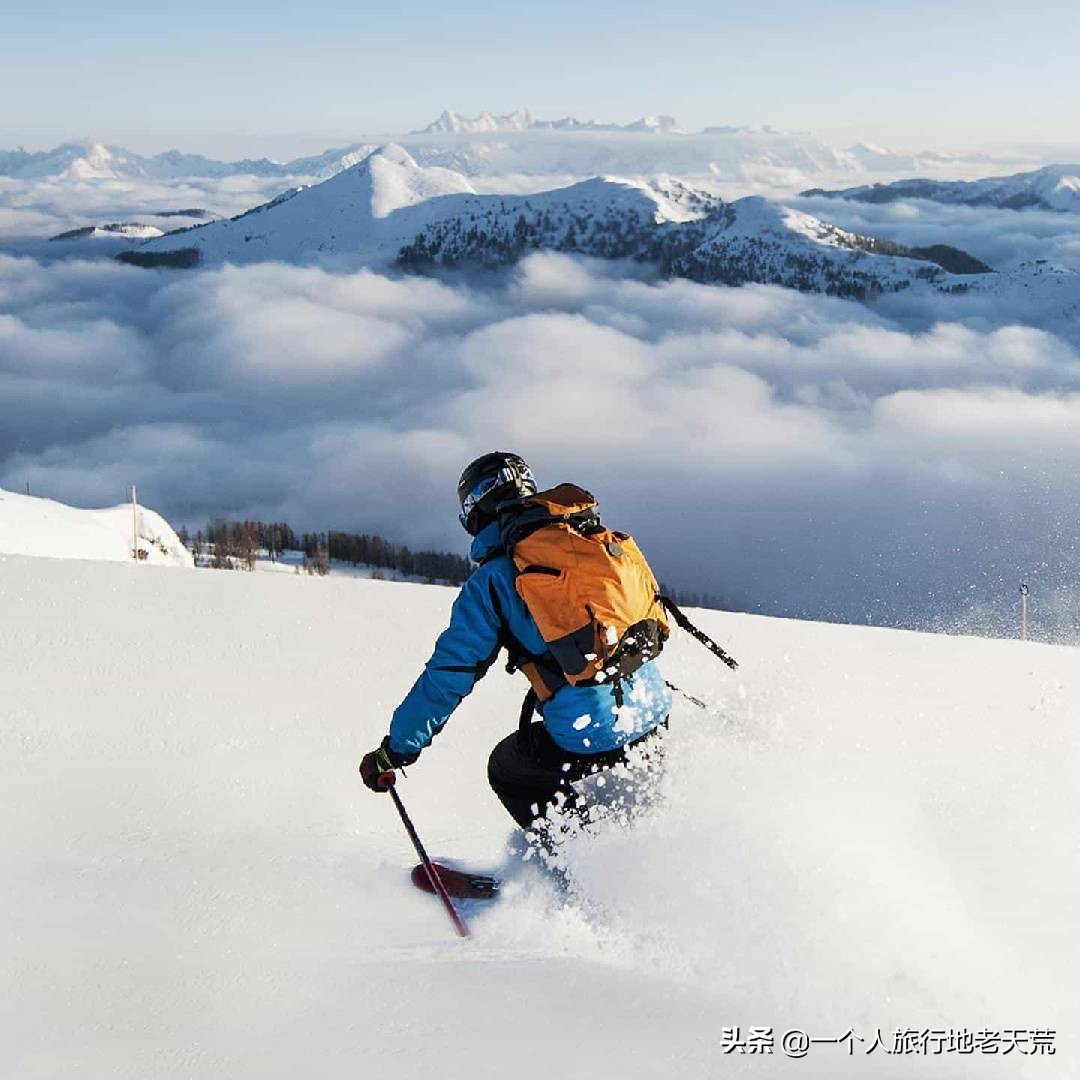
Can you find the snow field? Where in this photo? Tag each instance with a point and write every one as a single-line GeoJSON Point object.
{"type": "Point", "coordinates": [868, 828]}
{"type": "Point", "coordinates": [34, 526]}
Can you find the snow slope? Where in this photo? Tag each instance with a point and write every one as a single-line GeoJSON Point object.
{"type": "Point", "coordinates": [762, 241]}
{"type": "Point", "coordinates": [352, 213]}
{"type": "Point", "coordinates": [33, 526]}
{"type": "Point", "coordinates": [867, 829]}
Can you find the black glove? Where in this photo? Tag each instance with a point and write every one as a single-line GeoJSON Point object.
{"type": "Point", "coordinates": [377, 768]}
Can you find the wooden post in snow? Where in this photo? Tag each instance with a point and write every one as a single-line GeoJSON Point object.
{"type": "Point", "coordinates": [134, 525]}
{"type": "Point", "coordinates": [1023, 612]}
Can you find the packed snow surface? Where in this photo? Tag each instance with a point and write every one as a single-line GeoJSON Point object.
{"type": "Point", "coordinates": [34, 526]}
{"type": "Point", "coordinates": [865, 829]}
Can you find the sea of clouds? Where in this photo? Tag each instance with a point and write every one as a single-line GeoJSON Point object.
{"type": "Point", "coordinates": [908, 463]}
{"type": "Point", "coordinates": [33, 210]}
{"type": "Point", "coordinates": [794, 454]}
{"type": "Point", "coordinates": [1001, 238]}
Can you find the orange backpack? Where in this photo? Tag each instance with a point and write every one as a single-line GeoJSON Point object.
{"type": "Point", "coordinates": [589, 589]}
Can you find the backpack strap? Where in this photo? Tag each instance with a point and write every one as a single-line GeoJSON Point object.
{"type": "Point", "coordinates": [684, 623]}
{"type": "Point", "coordinates": [567, 503]}
{"type": "Point", "coordinates": [544, 674]}
{"type": "Point", "coordinates": [528, 707]}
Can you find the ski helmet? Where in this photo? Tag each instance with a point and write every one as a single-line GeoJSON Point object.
{"type": "Point", "coordinates": [489, 481]}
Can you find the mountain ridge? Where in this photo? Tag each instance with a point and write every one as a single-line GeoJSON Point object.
{"type": "Point", "coordinates": [514, 145]}
{"type": "Point", "coordinates": [521, 119]}
{"type": "Point", "coordinates": [1053, 187]}
{"type": "Point", "coordinates": [390, 211]}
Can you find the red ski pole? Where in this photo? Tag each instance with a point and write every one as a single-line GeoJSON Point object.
{"type": "Point", "coordinates": [429, 869]}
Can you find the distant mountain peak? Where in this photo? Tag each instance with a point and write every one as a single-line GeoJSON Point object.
{"type": "Point", "coordinates": [392, 152]}
{"type": "Point", "coordinates": [1053, 187]}
{"type": "Point", "coordinates": [452, 123]}
{"type": "Point", "coordinates": [663, 124]}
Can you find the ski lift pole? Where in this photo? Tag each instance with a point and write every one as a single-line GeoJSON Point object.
{"type": "Point", "coordinates": [429, 869]}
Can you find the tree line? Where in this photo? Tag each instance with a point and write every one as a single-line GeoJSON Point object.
{"type": "Point", "coordinates": [235, 545]}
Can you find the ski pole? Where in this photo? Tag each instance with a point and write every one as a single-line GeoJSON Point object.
{"type": "Point", "coordinates": [429, 869]}
{"type": "Point", "coordinates": [681, 620]}
{"type": "Point", "coordinates": [689, 697]}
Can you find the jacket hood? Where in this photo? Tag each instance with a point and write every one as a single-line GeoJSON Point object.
{"type": "Point", "coordinates": [487, 541]}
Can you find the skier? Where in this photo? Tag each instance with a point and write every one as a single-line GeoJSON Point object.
{"type": "Point", "coordinates": [587, 724]}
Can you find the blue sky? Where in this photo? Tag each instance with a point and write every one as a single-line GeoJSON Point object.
{"type": "Point", "coordinates": [247, 78]}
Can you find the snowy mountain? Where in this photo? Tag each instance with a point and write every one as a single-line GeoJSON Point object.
{"type": "Point", "coordinates": [648, 147]}
{"type": "Point", "coordinates": [483, 146]}
{"type": "Point", "coordinates": [456, 124]}
{"type": "Point", "coordinates": [132, 230]}
{"type": "Point", "coordinates": [330, 162]}
{"type": "Point", "coordinates": [874, 158]}
{"type": "Point", "coordinates": [33, 526]}
{"type": "Point", "coordinates": [452, 123]}
{"type": "Point", "coordinates": [749, 240]}
{"type": "Point", "coordinates": [390, 210]}
{"type": "Point", "coordinates": [760, 241]}
{"type": "Point", "coordinates": [367, 212]}
{"type": "Point", "coordinates": [863, 829]}
{"type": "Point", "coordinates": [652, 124]}
{"type": "Point", "coordinates": [69, 160]}
{"type": "Point", "coordinates": [87, 161]}
{"type": "Point", "coordinates": [516, 145]}
{"type": "Point", "coordinates": [664, 125]}
{"type": "Point", "coordinates": [96, 161]}
{"type": "Point", "coordinates": [1055, 187]}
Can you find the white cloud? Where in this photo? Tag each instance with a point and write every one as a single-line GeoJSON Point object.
{"type": "Point", "coordinates": [38, 209]}
{"type": "Point", "coordinates": [1001, 238]}
{"type": "Point", "coordinates": [792, 453]}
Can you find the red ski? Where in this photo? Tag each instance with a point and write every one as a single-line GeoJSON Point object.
{"type": "Point", "coordinates": [459, 884]}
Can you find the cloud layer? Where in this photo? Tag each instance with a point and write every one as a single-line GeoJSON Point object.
{"type": "Point", "coordinates": [794, 454]}
{"type": "Point", "coordinates": [1001, 238]}
{"type": "Point", "coordinates": [33, 210]}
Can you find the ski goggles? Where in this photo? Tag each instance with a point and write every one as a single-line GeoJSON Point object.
{"type": "Point", "coordinates": [485, 487]}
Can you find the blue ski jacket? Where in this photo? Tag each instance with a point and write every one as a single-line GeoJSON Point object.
{"type": "Point", "coordinates": [581, 719]}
